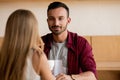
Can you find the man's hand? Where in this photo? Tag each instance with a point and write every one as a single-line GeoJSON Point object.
{"type": "Point", "coordinates": [62, 76]}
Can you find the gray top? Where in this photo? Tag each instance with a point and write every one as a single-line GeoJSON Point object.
{"type": "Point", "coordinates": [59, 51]}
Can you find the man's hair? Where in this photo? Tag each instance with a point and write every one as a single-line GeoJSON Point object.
{"type": "Point", "coordinates": [56, 4]}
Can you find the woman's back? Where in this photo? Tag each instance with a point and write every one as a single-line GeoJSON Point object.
{"type": "Point", "coordinates": [30, 73]}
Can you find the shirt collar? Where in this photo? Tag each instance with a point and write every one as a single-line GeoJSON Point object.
{"type": "Point", "coordinates": [69, 43]}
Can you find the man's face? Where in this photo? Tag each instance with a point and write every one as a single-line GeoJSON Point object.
{"type": "Point", "coordinates": [58, 20]}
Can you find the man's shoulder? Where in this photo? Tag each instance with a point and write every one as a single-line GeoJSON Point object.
{"type": "Point", "coordinates": [77, 40]}
{"type": "Point", "coordinates": [47, 35]}
{"type": "Point", "coordinates": [76, 36]}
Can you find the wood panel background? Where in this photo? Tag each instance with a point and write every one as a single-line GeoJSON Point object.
{"type": "Point", "coordinates": [106, 50]}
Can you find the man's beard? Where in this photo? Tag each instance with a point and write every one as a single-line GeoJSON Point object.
{"type": "Point", "coordinates": [57, 32]}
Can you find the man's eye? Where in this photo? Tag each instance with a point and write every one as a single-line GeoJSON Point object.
{"type": "Point", "coordinates": [61, 18]}
{"type": "Point", "coordinates": [50, 18]}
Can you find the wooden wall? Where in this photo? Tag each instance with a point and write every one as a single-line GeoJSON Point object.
{"type": "Point", "coordinates": [106, 51]}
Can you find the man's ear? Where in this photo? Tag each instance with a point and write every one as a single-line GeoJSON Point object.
{"type": "Point", "coordinates": [69, 20]}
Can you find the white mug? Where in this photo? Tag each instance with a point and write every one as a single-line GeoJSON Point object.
{"type": "Point", "coordinates": [51, 64]}
{"type": "Point", "coordinates": [58, 67]}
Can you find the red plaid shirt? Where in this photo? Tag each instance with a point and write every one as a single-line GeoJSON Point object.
{"type": "Point", "coordinates": [80, 57]}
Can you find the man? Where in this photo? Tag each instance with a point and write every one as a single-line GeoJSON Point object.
{"type": "Point", "coordinates": [74, 51]}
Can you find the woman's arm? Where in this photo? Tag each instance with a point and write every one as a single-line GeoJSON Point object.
{"type": "Point", "coordinates": [41, 65]}
{"type": "Point", "coordinates": [45, 71]}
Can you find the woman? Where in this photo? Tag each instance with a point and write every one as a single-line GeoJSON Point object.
{"type": "Point", "coordinates": [21, 55]}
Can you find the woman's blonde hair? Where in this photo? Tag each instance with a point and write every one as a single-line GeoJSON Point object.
{"type": "Point", "coordinates": [21, 35]}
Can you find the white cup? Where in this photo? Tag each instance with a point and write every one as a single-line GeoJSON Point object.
{"type": "Point", "coordinates": [58, 68]}
{"type": "Point", "coordinates": [51, 64]}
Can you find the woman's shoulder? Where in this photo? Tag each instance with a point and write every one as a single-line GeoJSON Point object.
{"type": "Point", "coordinates": [37, 55]}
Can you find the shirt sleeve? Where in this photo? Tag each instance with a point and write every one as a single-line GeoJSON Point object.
{"type": "Point", "coordinates": [87, 61]}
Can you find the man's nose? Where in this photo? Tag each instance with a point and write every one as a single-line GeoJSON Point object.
{"type": "Point", "coordinates": [56, 22]}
